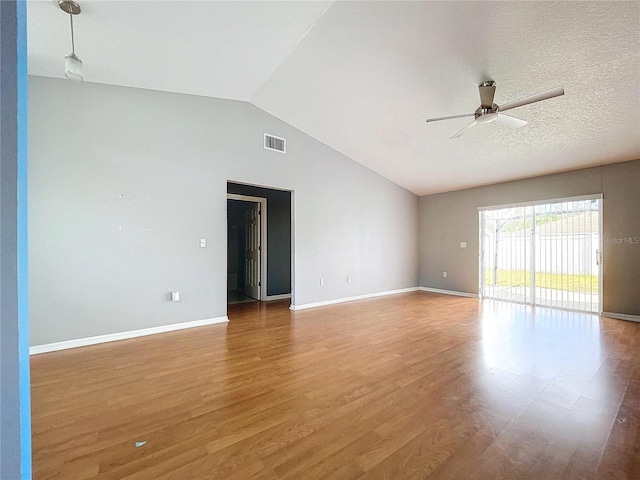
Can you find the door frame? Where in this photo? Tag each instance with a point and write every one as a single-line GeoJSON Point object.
{"type": "Point", "coordinates": [263, 237]}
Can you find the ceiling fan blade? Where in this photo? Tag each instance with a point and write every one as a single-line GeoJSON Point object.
{"type": "Point", "coordinates": [510, 121]}
{"type": "Point", "coordinates": [487, 92]}
{"type": "Point", "coordinates": [449, 118]}
{"type": "Point", "coordinates": [465, 129]}
{"type": "Point", "coordinates": [538, 97]}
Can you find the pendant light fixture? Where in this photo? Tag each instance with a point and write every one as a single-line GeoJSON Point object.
{"type": "Point", "coordinates": [72, 64]}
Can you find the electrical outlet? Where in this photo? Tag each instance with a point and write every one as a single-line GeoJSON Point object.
{"type": "Point", "coordinates": [463, 244]}
{"type": "Point", "coordinates": [175, 296]}
{"type": "Point", "coordinates": [444, 274]}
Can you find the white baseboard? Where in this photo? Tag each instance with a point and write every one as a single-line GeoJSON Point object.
{"type": "Point", "coordinates": [449, 292]}
{"type": "Point", "coordinates": [621, 316]}
{"type": "Point", "coordinates": [351, 299]}
{"type": "Point", "coordinates": [277, 297]}
{"type": "Point", "coordinates": [112, 337]}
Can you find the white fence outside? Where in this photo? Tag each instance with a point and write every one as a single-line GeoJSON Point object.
{"type": "Point", "coordinates": [556, 253]}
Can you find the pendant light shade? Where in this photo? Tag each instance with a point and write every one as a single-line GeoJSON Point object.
{"type": "Point", "coordinates": [73, 67]}
{"type": "Point", "coordinates": [72, 64]}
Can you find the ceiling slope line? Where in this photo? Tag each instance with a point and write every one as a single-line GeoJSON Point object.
{"type": "Point", "coordinates": [311, 27]}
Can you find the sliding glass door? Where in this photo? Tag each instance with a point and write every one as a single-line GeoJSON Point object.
{"type": "Point", "coordinates": [506, 272]}
{"type": "Point", "coordinates": [545, 254]}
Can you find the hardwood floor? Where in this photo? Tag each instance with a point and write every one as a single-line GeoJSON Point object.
{"type": "Point", "coordinates": [410, 386]}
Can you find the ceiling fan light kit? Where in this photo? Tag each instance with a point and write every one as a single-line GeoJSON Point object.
{"type": "Point", "coordinates": [486, 117]}
{"type": "Point", "coordinates": [489, 112]}
{"type": "Point", "coordinates": [72, 64]}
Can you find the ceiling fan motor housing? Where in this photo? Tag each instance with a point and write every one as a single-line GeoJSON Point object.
{"type": "Point", "coordinates": [487, 115]}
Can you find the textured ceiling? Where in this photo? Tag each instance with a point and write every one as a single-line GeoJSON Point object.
{"type": "Point", "coordinates": [363, 77]}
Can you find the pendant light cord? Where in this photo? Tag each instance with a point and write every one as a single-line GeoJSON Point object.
{"type": "Point", "coordinates": [73, 45]}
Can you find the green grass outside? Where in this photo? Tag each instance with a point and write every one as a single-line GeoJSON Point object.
{"type": "Point", "coordinates": [555, 281]}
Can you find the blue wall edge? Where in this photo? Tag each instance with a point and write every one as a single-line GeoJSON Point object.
{"type": "Point", "coordinates": [23, 290]}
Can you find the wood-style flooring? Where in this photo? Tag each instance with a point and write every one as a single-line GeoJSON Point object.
{"type": "Point", "coordinates": [409, 386]}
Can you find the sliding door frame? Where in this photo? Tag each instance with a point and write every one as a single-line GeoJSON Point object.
{"type": "Point", "coordinates": [532, 236]}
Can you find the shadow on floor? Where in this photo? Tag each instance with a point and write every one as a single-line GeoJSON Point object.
{"type": "Point", "coordinates": [235, 296]}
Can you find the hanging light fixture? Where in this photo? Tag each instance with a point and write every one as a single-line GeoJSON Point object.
{"type": "Point", "coordinates": [72, 64]}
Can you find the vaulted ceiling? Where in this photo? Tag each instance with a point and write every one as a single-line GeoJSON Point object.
{"type": "Point", "coordinates": [363, 77]}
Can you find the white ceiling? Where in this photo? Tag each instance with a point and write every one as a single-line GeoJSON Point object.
{"type": "Point", "coordinates": [363, 77]}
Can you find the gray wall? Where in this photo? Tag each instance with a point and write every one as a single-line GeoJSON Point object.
{"type": "Point", "coordinates": [450, 218]}
{"type": "Point", "coordinates": [117, 208]}
{"type": "Point", "coordinates": [278, 235]}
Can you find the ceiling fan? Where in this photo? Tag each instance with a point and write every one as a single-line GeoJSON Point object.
{"type": "Point", "coordinates": [488, 111]}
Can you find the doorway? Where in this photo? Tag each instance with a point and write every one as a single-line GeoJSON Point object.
{"type": "Point", "coordinates": [273, 240]}
{"type": "Point", "coordinates": [546, 254]}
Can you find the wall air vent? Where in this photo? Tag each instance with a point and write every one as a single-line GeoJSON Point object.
{"type": "Point", "coordinates": [275, 143]}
